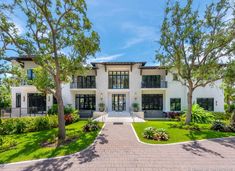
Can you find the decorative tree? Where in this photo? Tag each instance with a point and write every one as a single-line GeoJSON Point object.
{"type": "Point", "coordinates": [229, 86]}
{"type": "Point", "coordinates": [195, 46]}
{"type": "Point", "coordinates": [58, 37]}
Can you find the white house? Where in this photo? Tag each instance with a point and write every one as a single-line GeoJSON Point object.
{"type": "Point", "coordinates": [118, 85]}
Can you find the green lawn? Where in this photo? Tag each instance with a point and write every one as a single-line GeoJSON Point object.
{"type": "Point", "coordinates": [176, 134]}
{"type": "Point", "coordinates": [28, 144]}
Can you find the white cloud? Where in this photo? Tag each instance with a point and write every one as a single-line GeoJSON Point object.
{"type": "Point", "coordinates": [105, 58]}
{"type": "Point", "coordinates": [140, 34]}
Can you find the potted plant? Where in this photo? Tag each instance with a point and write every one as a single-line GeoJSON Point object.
{"type": "Point", "coordinates": [135, 107]}
{"type": "Point", "coordinates": [101, 107]}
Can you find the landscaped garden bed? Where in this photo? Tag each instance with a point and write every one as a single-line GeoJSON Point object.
{"type": "Point", "coordinates": [44, 144]}
{"type": "Point", "coordinates": [178, 134]}
{"type": "Point", "coordinates": [204, 125]}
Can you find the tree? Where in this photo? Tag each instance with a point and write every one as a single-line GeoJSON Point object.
{"type": "Point", "coordinates": [59, 38]}
{"type": "Point", "coordinates": [195, 45]}
{"type": "Point", "coordinates": [229, 86]}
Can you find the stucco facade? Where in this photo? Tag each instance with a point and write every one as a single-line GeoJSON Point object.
{"type": "Point", "coordinates": [120, 99]}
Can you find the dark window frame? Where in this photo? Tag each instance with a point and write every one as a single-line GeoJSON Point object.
{"type": "Point", "coordinates": [152, 101]}
{"type": "Point", "coordinates": [118, 80]}
{"type": "Point", "coordinates": [175, 104]}
{"type": "Point", "coordinates": [206, 103]}
{"type": "Point", "coordinates": [151, 81]}
{"type": "Point", "coordinates": [86, 81]}
{"type": "Point", "coordinates": [116, 106]}
{"type": "Point", "coordinates": [85, 101]}
{"type": "Point", "coordinates": [18, 99]}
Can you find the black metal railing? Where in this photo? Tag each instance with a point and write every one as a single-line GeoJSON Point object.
{"type": "Point", "coordinates": [22, 112]}
{"type": "Point", "coordinates": [161, 84]}
{"type": "Point", "coordinates": [77, 85]}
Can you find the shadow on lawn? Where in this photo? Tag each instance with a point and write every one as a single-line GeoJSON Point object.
{"type": "Point", "coordinates": [66, 162]}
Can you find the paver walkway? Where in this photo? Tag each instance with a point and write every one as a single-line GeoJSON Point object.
{"type": "Point", "coordinates": [118, 149]}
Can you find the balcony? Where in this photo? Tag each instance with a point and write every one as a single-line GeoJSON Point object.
{"type": "Point", "coordinates": [76, 85]}
{"type": "Point", "coordinates": [161, 84]}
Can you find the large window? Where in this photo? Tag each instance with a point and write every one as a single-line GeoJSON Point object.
{"type": "Point", "coordinates": [175, 104]}
{"type": "Point", "coordinates": [37, 100]}
{"type": "Point", "coordinates": [118, 79]}
{"type": "Point", "coordinates": [85, 101]}
{"type": "Point", "coordinates": [152, 101]}
{"type": "Point", "coordinates": [30, 74]}
{"type": "Point", "coordinates": [206, 103]}
{"type": "Point", "coordinates": [151, 81]}
{"type": "Point", "coordinates": [18, 100]}
{"type": "Point", "coordinates": [86, 82]}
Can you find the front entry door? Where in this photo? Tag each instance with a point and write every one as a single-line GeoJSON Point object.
{"type": "Point", "coordinates": [118, 102]}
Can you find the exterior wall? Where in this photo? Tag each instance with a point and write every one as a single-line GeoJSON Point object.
{"type": "Point", "coordinates": [133, 94]}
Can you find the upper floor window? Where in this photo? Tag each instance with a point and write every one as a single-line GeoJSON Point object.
{"type": "Point", "coordinates": [30, 74]}
{"type": "Point", "coordinates": [175, 104]}
{"type": "Point", "coordinates": [118, 79]}
{"type": "Point", "coordinates": [86, 82]}
{"type": "Point", "coordinates": [206, 103]}
{"type": "Point", "coordinates": [175, 77]}
{"type": "Point", "coordinates": [151, 81]}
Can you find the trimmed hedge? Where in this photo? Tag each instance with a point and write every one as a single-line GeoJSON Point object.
{"type": "Point", "coordinates": [31, 124]}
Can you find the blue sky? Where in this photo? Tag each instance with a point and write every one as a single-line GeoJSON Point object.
{"type": "Point", "coordinates": [128, 29]}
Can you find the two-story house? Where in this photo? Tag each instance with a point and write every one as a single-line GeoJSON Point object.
{"type": "Point", "coordinates": [118, 85]}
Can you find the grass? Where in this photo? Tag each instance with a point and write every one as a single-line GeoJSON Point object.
{"type": "Point", "coordinates": [176, 134]}
{"type": "Point", "coordinates": [28, 144]}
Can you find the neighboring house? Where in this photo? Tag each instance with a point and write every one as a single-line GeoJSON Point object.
{"type": "Point", "coordinates": [118, 85]}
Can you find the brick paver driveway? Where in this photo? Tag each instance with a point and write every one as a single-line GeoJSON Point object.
{"type": "Point", "coordinates": [118, 149]}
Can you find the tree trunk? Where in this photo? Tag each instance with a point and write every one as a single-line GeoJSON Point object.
{"type": "Point", "coordinates": [189, 112]}
{"type": "Point", "coordinates": [61, 121]}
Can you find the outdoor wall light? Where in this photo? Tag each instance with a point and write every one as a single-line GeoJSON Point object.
{"type": "Point", "coordinates": [23, 98]}
{"type": "Point", "coordinates": [49, 98]}
{"type": "Point", "coordinates": [135, 96]}
{"type": "Point", "coordinates": [101, 96]}
{"type": "Point", "coordinates": [216, 103]}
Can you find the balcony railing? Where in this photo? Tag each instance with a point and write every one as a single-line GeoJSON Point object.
{"type": "Point", "coordinates": [162, 84]}
{"type": "Point", "coordinates": [79, 86]}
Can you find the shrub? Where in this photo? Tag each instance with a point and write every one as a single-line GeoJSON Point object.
{"type": "Point", "coordinates": [53, 110]}
{"type": "Point", "coordinates": [182, 125]}
{"type": "Point", "coordinates": [42, 123]}
{"type": "Point", "coordinates": [75, 116]}
{"type": "Point", "coordinates": [232, 120]}
{"type": "Point", "coordinates": [136, 107]}
{"type": "Point", "coordinates": [160, 135]}
{"type": "Point", "coordinates": [27, 124]}
{"type": "Point", "coordinates": [20, 126]}
{"type": "Point", "coordinates": [222, 127]}
{"type": "Point", "coordinates": [68, 109]}
{"type": "Point", "coordinates": [174, 115]}
{"type": "Point", "coordinates": [149, 132]}
{"type": "Point", "coordinates": [91, 126]}
{"type": "Point", "coordinates": [199, 115]}
{"type": "Point", "coordinates": [221, 115]}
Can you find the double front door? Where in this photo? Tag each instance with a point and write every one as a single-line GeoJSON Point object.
{"type": "Point", "coordinates": [118, 102]}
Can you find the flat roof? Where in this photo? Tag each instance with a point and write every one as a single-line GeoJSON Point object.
{"type": "Point", "coordinates": [152, 67]}
{"type": "Point", "coordinates": [118, 63]}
